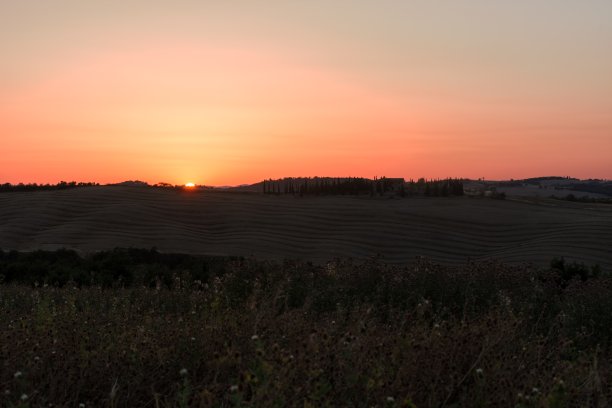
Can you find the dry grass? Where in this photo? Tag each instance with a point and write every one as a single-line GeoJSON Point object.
{"type": "Point", "coordinates": [267, 334]}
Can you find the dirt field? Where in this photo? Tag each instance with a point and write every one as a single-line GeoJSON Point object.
{"type": "Point", "coordinates": [316, 228]}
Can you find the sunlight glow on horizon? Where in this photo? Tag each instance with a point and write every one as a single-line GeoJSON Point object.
{"type": "Point", "coordinates": [423, 91]}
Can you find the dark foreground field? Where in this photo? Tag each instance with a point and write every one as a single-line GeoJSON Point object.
{"type": "Point", "coordinates": [446, 229]}
{"type": "Point", "coordinates": [138, 328]}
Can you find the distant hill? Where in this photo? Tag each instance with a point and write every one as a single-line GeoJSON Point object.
{"type": "Point", "coordinates": [131, 183]}
{"type": "Point", "coordinates": [251, 188]}
{"type": "Point", "coordinates": [548, 178]}
{"type": "Point", "coordinates": [593, 186]}
{"type": "Point", "coordinates": [546, 187]}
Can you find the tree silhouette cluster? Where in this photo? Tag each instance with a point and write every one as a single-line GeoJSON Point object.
{"type": "Point", "coordinates": [362, 186]}
{"type": "Point", "coordinates": [62, 185]}
{"type": "Point", "coordinates": [332, 186]}
{"type": "Point", "coordinates": [435, 187]}
{"type": "Point", "coordinates": [169, 186]}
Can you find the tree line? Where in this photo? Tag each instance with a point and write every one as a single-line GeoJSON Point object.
{"type": "Point", "coordinates": [583, 199]}
{"type": "Point", "coordinates": [363, 186]}
{"type": "Point", "coordinates": [62, 185]}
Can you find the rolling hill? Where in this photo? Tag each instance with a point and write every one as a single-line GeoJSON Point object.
{"type": "Point", "coordinates": [315, 228]}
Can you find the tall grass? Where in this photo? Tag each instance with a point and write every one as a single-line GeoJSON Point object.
{"type": "Point", "coordinates": [257, 333]}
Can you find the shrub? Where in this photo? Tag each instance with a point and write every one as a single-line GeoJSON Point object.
{"type": "Point", "coordinates": [569, 271]}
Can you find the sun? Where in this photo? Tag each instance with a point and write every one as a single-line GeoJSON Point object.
{"type": "Point", "coordinates": [190, 185]}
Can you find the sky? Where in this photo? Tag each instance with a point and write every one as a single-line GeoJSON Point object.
{"type": "Point", "coordinates": [232, 92]}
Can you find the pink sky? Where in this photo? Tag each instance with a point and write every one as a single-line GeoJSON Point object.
{"type": "Point", "coordinates": [228, 95]}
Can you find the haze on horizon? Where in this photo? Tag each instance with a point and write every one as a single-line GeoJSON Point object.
{"type": "Point", "coordinates": [234, 92]}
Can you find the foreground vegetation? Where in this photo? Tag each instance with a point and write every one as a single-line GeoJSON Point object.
{"type": "Point", "coordinates": [139, 328]}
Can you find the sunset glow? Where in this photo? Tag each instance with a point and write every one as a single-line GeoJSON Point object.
{"type": "Point", "coordinates": [234, 93]}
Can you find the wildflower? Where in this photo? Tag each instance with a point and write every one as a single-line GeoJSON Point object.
{"type": "Point", "coordinates": [17, 374]}
{"type": "Point", "coordinates": [193, 339]}
{"type": "Point", "coordinates": [234, 388]}
{"type": "Point", "coordinates": [24, 397]}
{"type": "Point", "coordinates": [81, 405]}
{"type": "Point", "coordinates": [183, 372]}
{"type": "Point", "coordinates": [535, 390]}
{"type": "Point", "coordinates": [479, 371]}
{"type": "Point", "coordinates": [254, 337]}
{"type": "Point", "coordinates": [36, 358]}
{"type": "Point", "coordinates": [390, 399]}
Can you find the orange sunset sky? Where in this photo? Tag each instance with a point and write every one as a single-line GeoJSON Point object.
{"type": "Point", "coordinates": [230, 92]}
